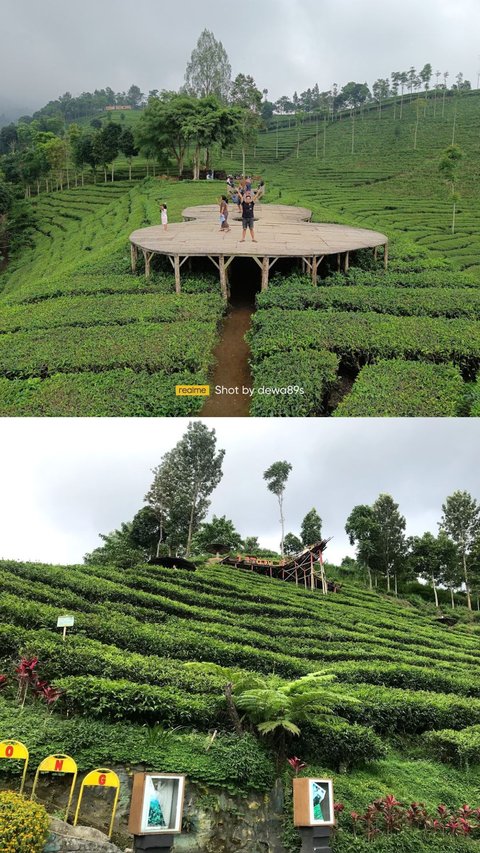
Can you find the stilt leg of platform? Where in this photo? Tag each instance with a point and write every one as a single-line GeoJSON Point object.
{"type": "Point", "coordinates": [176, 267]}
{"type": "Point", "coordinates": [338, 262]}
{"type": "Point", "coordinates": [347, 261]}
{"type": "Point", "coordinates": [223, 276]}
{"type": "Point", "coordinates": [265, 269]}
{"type": "Point", "coordinates": [375, 253]}
{"type": "Point", "coordinates": [385, 256]}
{"type": "Point", "coordinates": [133, 256]}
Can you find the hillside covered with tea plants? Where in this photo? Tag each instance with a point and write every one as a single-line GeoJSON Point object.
{"type": "Point", "coordinates": [386, 697]}
{"type": "Point", "coordinates": [81, 335]}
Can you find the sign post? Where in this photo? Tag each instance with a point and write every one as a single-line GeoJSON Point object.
{"type": "Point", "coordinates": [102, 778]}
{"type": "Point", "coordinates": [65, 622]}
{"type": "Point", "coordinates": [16, 751]}
{"type": "Point", "coordinates": [313, 813]}
{"type": "Point", "coordinates": [57, 764]}
{"type": "Point", "coordinates": [156, 810]}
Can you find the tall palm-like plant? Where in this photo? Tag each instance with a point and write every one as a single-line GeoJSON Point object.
{"type": "Point", "coordinates": [276, 709]}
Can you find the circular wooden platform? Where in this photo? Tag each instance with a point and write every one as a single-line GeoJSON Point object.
{"type": "Point", "coordinates": [281, 231]}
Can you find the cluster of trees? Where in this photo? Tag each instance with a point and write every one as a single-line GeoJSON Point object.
{"type": "Point", "coordinates": [355, 95]}
{"type": "Point", "coordinates": [451, 559]}
{"type": "Point", "coordinates": [172, 522]}
{"type": "Point", "coordinates": [70, 108]}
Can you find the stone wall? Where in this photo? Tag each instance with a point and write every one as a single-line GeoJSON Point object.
{"type": "Point", "coordinates": [214, 821]}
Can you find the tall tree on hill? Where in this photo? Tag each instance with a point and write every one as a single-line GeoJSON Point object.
{"type": "Point", "coordinates": [448, 168]}
{"type": "Point", "coordinates": [412, 78]}
{"type": "Point", "coordinates": [251, 545]}
{"type": "Point", "coordinates": [127, 146]}
{"type": "Point", "coordinates": [244, 93]}
{"type": "Point", "coordinates": [425, 76]}
{"type": "Point", "coordinates": [311, 529]}
{"type": "Point", "coordinates": [209, 71]}
{"type": "Point", "coordinates": [461, 522]}
{"type": "Point", "coordinates": [106, 145]}
{"type": "Point", "coordinates": [391, 554]}
{"type": "Point", "coordinates": [276, 477]}
{"type": "Point", "coordinates": [474, 570]}
{"type": "Point", "coordinates": [434, 559]}
{"type": "Point", "coordinates": [135, 97]}
{"type": "Point", "coordinates": [380, 91]}
{"type": "Point", "coordinates": [185, 480]}
{"type": "Point", "coordinates": [292, 544]}
{"type": "Point", "coordinates": [218, 531]}
{"type": "Point", "coordinates": [163, 127]}
{"type": "Point", "coordinates": [363, 531]}
{"type": "Point", "coordinates": [403, 80]}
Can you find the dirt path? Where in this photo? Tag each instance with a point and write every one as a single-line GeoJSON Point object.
{"type": "Point", "coordinates": [232, 370]}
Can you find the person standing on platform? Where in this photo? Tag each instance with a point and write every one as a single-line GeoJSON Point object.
{"type": "Point", "coordinates": [224, 226]}
{"type": "Point", "coordinates": [164, 216]}
{"type": "Point", "coordinates": [248, 217]}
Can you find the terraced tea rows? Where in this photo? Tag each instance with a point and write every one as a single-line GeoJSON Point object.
{"type": "Point", "coordinates": [157, 645]}
{"type": "Point", "coordinates": [80, 335]}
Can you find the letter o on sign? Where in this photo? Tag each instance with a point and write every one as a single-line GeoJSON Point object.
{"type": "Point", "coordinates": [9, 751]}
{"type": "Point", "coordinates": [102, 779]}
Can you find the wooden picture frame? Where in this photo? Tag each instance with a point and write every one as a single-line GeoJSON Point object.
{"type": "Point", "coordinates": [313, 802]}
{"type": "Point", "coordinates": [157, 803]}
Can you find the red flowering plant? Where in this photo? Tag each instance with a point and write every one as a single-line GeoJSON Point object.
{"type": "Point", "coordinates": [3, 681]}
{"type": "Point", "coordinates": [26, 674]}
{"type": "Point", "coordinates": [296, 764]}
{"type": "Point", "coordinates": [387, 815]}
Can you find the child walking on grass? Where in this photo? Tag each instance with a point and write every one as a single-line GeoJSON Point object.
{"type": "Point", "coordinates": [164, 216]}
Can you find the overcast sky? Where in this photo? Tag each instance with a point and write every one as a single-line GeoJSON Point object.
{"type": "Point", "coordinates": [49, 47]}
{"type": "Point", "coordinates": [64, 481]}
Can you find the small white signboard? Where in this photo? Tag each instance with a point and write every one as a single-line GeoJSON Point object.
{"type": "Point", "coordinates": [65, 621]}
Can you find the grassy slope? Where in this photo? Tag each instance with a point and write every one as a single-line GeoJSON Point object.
{"type": "Point", "coordinates": [146, 625]}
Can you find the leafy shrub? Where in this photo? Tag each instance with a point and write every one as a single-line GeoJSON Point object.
{"type": "Point", "coordinates": [457, 747]}
{"type": "Point", "coordinates": [113, 309]}
{"type": "Point", "coordinates": [340, 745]}
{"type": "Point", "coordinates": [23, 824]}
{"type": "Point", "coordinates": [360, 338]}
{"type": "Point", "coordinates": [181, 346]}
{"type": "Point", "coordinates": [110, 393]}
{"type": "Point", "coordinates": [395, 711]}
{"type": "Point", "coordinates": [237, 764]}
{"type": "Point", "coordinates": [121, 699]}
{"type": "Point", "coordinates": [405, 301]}
{"type": "Point", "coordinates": [305, 379]}
{"type": "Point", "coordinates": [404, 389]}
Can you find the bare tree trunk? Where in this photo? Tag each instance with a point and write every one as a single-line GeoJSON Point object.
{"type": "Point", "coordinates": [435, 591]}
{"type": "Point", "coordinates": [388, 581]}
{"type": "Point", "coordinates": [232, 710]}
{"type": "Point", "coordinates": [370, 585]}
{"type": "Point", "coordinates": [467, 585]}
{"type": "Point", "coordinates": [452, 597]}
{"type": "Point", "coordinates": [396, 584]}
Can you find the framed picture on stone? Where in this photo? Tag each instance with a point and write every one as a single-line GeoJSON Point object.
{"type": "Point", "coordinates": [313, 802]}
{"type": "Point", "coordinates": [157, 803]}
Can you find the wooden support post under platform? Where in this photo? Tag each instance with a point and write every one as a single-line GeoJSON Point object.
{"type": "Point", "coordinates": [265, 271]}
{"type": "Point", "coordinates": [385, 256]}
{"type": "Point", "coordinates": [177, 264]}
{"type": "Point", "coordinates": [222, 266]}
{"type": "Point", "coordinates": [133, 256]}
{"type": "Point", "coordinates": [147, 257]}
{"type": "Point", "coordinates": [347, 262]}
{"type": "Point", "coordinates": [338, 262]}
{"type": "Point", "coordinates": [223, 277]}
{"type": "Point", "coordinates": [375, 253]}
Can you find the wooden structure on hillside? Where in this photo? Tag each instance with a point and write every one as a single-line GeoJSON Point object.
{"type": "Point", "coordinates": [281, 231]}
{"type": "Point", "coordinates": [304, 569]}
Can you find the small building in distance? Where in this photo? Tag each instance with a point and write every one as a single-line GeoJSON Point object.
{"type": "Point", "coordinates": [116, 107]}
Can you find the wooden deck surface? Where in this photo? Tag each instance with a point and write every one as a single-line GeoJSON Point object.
{"type": "Point", "coordinates": [280, 230]}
